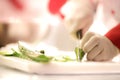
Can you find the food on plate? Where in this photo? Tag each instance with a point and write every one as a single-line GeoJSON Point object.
{"type": "Point", "coordinates": [25, 52]}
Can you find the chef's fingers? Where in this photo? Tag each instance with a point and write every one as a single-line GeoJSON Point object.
{"type": "Point", "coordinates": [94, 52]}
{"type": "Point", "coordinates": [86, 38]}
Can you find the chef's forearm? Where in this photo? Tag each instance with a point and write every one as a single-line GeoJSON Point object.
{"type": "Point", "coordinates": [114, 35]}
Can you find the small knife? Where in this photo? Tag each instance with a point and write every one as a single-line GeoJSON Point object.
{"type": "Point", "coordinates": [79, 34]}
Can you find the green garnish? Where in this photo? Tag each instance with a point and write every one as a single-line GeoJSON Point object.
{"type": "Point", "coordinates": [41, 58]}
{"type": "Point", "coordinates": [5, 53]}
{"type": "Point", "coordinates": [34, 55]}
{"type": "Point", "coordinates": [79, 54]}
{"type": "Point", "coordinates": [64, 59]}
{"type": "Point", "coordinates": [18, 54]}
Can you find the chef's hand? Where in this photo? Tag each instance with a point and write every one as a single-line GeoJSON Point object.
{"type": "Point", "coordinates": [78, 14]}
{"type": "Point", "coordinates": [98, 48]}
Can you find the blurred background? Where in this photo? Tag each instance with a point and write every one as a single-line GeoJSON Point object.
{"type": "Point", "coordinates": [32, 21]}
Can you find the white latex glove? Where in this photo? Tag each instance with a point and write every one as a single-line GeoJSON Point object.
{"type": "Point", "coordinates": [98, 48]}
{"type": "Point", "coordinates": [78, 15]}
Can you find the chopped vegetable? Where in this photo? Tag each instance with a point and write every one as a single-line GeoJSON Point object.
{"type": "Point", "coordinates": [38, 56]}
{"type": "Point", "coordinates": [64, 59]}
{"type": "Point", "coordinates": [5, 53]}
{"type": "Point", "coordinates": [19, 54]}
{"type": "Point", "coordinates": [41, 58]}
{"type": "Point", "coordinates": [35, 56]}
{"type": "Point", "coordinates": [24, 49]}
{"type": "Point", "coordinates": [79, 54]}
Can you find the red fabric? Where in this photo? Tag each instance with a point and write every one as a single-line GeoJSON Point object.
{"type": "Point", "coordinates": [55, 5]}
{"type": "Point", "coordinates": [17, 4]}
{"type": "Point", "coordinates": [114, 35]}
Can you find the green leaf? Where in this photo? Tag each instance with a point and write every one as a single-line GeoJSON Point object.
{"type": "Point", "coordinates": [41, 58]}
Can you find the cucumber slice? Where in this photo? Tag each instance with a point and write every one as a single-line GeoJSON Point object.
{"type": "Point", "coordinates": [5, 53]}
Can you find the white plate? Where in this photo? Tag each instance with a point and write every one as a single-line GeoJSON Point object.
{"type": "Point", "coordinates": [61, 67]}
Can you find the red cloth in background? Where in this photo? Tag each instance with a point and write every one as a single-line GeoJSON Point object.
{"type": "Point", "coordinates": [17, 4]}
{"type": "Point", "coordinates": [114, 35]}
{"type": "Point", "coordinates": [54, 6]}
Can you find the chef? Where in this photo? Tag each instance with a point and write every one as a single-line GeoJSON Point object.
{"type": "Point", "coordinates": [79, 15]}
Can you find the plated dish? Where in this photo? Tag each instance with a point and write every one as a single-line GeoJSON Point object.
{"type": "Point", "coordinates": [60, 62]}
